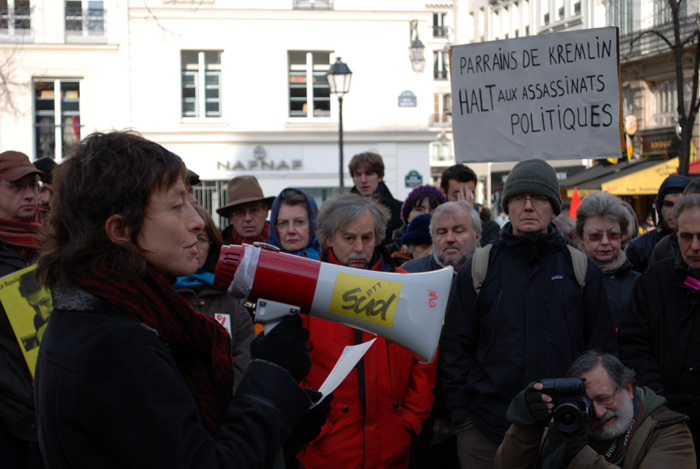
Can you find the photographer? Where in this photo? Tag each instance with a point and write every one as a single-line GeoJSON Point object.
{"type": "Point", "coordinates": [625, 426]}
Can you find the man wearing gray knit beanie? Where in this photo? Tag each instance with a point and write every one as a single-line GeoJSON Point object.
{"type": "Point", "coordinates": [525, 317]}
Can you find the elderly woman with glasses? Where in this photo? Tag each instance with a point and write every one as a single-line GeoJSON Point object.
{"type": "Point", "coordinates": [601, 220]}
{"type": "Point", "coordinates": [293, 222]}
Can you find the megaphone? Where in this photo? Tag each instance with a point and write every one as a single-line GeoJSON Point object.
{"type": "Point", "coordinates": [408, 309]}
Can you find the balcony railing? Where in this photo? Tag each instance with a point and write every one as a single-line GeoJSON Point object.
{"type": "Point", "coordinates": [635, 45]}
{"type": "Point", "coordinates": [15, 22]}
{"type": "Point", "coordinates": [312, 4]}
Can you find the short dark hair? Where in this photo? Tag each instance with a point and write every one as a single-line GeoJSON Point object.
{"type": "Point", "coordinates": [293, 197]}
{"type": "Point", "coordinates": [693, 187]}
{"type": "Point", "coordinates": [619, 374]}
{"type": "Point", "coordinates": [458, 172]}
{"type": "Point", "coordinates": [370, 159]}
{"type": "Point", "coordinates": [215, 239]}
{"type": "Point", "coordinates": [338, 212]}
{"type": "Point", "coordinates": [107, 174]}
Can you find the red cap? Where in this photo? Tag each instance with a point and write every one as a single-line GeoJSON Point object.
{"type": "Point", "coordinates": [15, 165]}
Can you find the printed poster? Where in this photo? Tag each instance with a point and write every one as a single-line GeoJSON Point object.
{"type": "Point", "coordinates": [28, 307]}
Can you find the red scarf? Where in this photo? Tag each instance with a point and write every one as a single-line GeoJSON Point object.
{"type": "Point", "coordinates": [263, 238]}
{"type": "Point", "coordinates": [22, 237]}
{"type": "Point", "coordinates": [200, 346]}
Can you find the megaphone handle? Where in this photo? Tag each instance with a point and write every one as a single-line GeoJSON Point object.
{"type": "Point", "coordinates": [269, 313]}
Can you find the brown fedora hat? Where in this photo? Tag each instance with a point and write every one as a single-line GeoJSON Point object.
{"type": "Point", "coordinates": [242, 190]}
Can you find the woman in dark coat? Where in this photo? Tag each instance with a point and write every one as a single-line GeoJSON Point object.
{"type": "Point", "coordinates": [601, 220]}
{"type": "Point", "coordinates": [199, 291]}
{"type": "Point", "coordinates": [129, 375]}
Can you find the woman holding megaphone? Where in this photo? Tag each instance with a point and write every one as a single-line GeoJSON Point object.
{"type": "Point", "coordinates": [129, 375]}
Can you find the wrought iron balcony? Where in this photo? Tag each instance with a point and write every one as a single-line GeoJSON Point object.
{"type": "Point", "coordinates": [641, 43]}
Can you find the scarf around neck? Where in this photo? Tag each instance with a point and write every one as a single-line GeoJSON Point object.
{"type": "Point", "coordinates": [263, 237]}
{"type": "Point", "coordinates": [200, 347]}
{"type": "Point", "coordinates": [23, 237]}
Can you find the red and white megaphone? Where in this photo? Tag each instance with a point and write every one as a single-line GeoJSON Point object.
{"type": "Point", "coordinates": [408, 309]}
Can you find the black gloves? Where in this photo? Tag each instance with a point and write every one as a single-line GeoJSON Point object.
{"type": "Point", "coordinates": [285, 346]}
{"type": "Point", "coordinates": [309, 427]}
{"type": "Point", "coordinates": [528, 409]}
{"type": "Point", "coordinates": [563, 447]}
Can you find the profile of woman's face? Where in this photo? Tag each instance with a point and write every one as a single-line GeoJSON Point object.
{"type": "Point", "coordinates": [203, 244]}
{"type": "Point", "coordinates": [168, 236]}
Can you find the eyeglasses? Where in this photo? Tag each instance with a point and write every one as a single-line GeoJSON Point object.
{"type": "Point", "coordinates": [688, 237]}
{"type": "Point", "coordinates": [19, 186]}
{"type": "Point", "coordinates": [606, 399]}
{"type": "Point", "coordinates": [242, 212]}
{"type": "Point", "coordinates": [612, 236]}
{"type": "Point", "coordinates": [520, 200]}
{"type": "Point", "coordinates": [299, 223]}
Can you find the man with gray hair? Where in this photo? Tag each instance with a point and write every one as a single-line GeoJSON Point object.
{"type": "Point", "coordinates": [387, 397]}
{"type": "Point", "coordinates": [624, 426]}
{"type": "Point", "coordinates": [661, 322]}
{"type": "Point", "coordinates": [456, 230]}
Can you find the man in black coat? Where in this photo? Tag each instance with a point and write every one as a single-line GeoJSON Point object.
{"type": "Point", "coordinates": [661, 323]}
{"type": "Point", "coordinates": [367, 171]}
{"type": "Point", "coordinates": [530, 319]}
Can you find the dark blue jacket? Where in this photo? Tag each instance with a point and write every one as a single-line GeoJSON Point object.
{"type": "Point", "coordinates": [109, 394]}
{"type": "Point", "coordinates": [530, 321]}
{"type": "Point", "coordinates": [618, 286]}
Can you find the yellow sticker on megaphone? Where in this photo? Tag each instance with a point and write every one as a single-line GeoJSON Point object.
{"type": "Point", "coordinates": [364, 298]}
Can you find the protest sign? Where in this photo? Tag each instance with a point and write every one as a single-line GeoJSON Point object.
{"type": "Point", "coordinates": [555, 96]}
{"type": "Point", "coordinates": [28, 307]}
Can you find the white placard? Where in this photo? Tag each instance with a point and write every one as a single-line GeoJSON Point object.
{"type": "Point", "coordinates": [347, 361]}
{"type": "Point", "coordinates": [554, 96]}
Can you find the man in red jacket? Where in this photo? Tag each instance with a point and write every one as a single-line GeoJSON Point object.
{"type": "Point", "coordinates": [386, 399]}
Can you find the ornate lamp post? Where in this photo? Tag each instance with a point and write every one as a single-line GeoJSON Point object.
{"type": "Point", "coordinates": [339, 76]}
{"type": "Point", "coordinates": [416, 49]}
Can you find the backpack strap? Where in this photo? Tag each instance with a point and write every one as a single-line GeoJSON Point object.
{"type": "Point", "coordinates": [580, 263]}
{"type": "Point", "coordinates": [480, 264]}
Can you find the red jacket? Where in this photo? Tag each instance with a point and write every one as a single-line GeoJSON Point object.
{"type": "Point", "coordinates": [374, 428]}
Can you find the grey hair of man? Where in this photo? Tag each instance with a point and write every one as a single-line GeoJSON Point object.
{"type": "Point", "coordinates": [343, 209]}
{"type": "Point", "coordinates": [619, 374]}
{"type": "Point", "coordinates": [685, 202]}
{"type": "Point", "coordinates": [450, 207]}
{"type": "Point", "coordinates": [604, 205]}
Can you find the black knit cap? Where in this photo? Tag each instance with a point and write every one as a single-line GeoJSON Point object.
{"type": "Point", "coordinates": [534, 177]}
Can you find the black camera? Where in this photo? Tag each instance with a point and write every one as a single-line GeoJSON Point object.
{"type": "Point", "coordinates": [569, 399]}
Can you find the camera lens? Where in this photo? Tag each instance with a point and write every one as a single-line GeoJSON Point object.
{"type": "Point", "coordinates": [567, 417]}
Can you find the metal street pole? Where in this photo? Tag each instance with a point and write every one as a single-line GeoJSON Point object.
{"type": "Point", "coordinates": [340, 142]}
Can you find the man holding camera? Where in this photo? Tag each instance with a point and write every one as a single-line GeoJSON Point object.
{"type": "Point", "coordinates": [600, 419]}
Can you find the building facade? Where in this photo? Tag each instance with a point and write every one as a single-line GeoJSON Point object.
{"type": "Point", "coordinates": [232, 87]}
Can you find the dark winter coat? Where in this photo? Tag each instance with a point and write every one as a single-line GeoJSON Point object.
{"type": "Point", "coordinates": [109, 394]}
{"type": "Point", "coordinates": [618, 287]}
{"type": "Point", "coordinates": [490, 231]}
{"type": "Point", "coordinates": [16, 393]}
{"type": "Point", "coordinates": [384, 197]}
{"type": "Point", "coordinates": [423, 264]}
{"type": "Point", "coordinates": [659, 336]}
{"type": "Point", "coordinates": [212, 302]}
{"type": "Point", "coordinates": [531, 320]}
{"type": "Point", "coordinates": [667, 247]}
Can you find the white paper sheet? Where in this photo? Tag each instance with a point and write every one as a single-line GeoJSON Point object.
{"type": "Point", "coordinates": [347, 361]}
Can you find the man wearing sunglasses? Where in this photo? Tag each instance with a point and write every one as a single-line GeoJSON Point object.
{"type": "Point", "coordinates": [529, 319]}
{"type": "Point", "coordinates": [626, 425]}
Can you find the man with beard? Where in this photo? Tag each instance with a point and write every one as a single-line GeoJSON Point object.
{"type": "Point", "coordinates": [527, 315]}
{"type": "Point", "coordinates": [456, 229]}
{"type": "Point", "coordinates": [626, 426]}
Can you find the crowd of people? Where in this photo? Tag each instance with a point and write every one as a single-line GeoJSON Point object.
{"type": "Point", "coordinates": [143, 362]}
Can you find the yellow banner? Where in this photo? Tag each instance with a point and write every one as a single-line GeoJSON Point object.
{"type": "Point", "coordinates": [364, 298]}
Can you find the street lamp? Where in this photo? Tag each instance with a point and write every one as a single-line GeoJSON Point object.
{"type": "Point", "coordinates": [339, 76]}
{"type": "Point", "coordinates": [416, 49]}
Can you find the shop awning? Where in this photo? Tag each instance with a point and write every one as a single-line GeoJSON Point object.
{"type": "Point", "coordinates": [593, 178]}
{"type": "Point", "coordinates": [644, 181]}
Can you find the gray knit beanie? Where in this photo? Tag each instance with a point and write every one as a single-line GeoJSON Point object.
{"type": "Point", "coordinates": [534, 177]}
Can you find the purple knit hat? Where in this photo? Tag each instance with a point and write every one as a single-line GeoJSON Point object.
{"type": "Point", "coordinates": [414, 194]}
